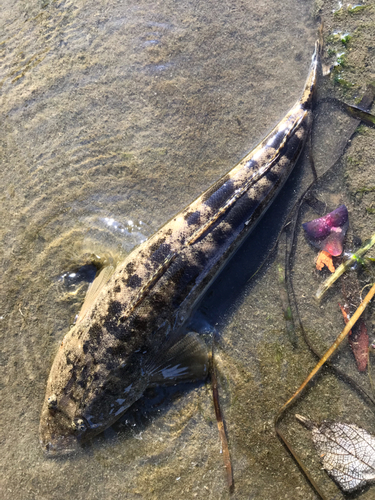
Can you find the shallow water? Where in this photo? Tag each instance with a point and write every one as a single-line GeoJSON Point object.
{"type": "Point", "coordinates": [115, 116]}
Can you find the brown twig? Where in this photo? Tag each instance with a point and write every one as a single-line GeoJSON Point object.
{"type": "Point", "coordinates": [221, 427]}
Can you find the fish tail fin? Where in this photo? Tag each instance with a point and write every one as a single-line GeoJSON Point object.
{"type": "Point", "coordinates": [307, 99]}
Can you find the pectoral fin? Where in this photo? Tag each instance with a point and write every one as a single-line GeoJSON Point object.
{"type": "Point", "coordinates": [94, 290]}
{"type": "Point", "coordinates": [185, 361]}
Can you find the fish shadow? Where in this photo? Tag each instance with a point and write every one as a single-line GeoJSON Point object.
{"type": "Point", "coordinates": [237, 278]}
{"type": "Point", "coordinates": [152, 406]}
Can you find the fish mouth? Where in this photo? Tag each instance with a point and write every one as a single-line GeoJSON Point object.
{"type": "Point", "coordinates": [56, 435]}
{"type": "Point", "coordinates": [56, 443]}
{"type": "Point", "coordinates": [59, 447]}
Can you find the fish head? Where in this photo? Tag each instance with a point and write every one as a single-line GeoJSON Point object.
{"type": "Point", "coordinates": [85, 394]}
{"type": "Point", "coordinates": [58, 436]}
{"type": "Point", "coordinates": [66, 426]}
{"type": "Point", "coordinates": [62, 427]}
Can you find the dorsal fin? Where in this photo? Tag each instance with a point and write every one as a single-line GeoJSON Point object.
{"type": "Point", "coordinates": [248, 184]}
{"type": "Point", "coordinates": [143, 292]}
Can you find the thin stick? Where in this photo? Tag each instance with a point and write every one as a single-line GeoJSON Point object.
{"type": "Point", "coordinates": [354, 111]}
{"type": "Point", "coordinates": [220, 426]}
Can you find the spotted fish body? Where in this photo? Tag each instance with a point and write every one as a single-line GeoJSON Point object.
{"type": "Point", "coordinates": [119, 344]}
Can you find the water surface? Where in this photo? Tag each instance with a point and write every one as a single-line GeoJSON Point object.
{"type": "Point", "coordinates": [115, 115]}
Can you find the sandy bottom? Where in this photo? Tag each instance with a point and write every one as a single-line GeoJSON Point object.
{"type": "Point", "coordinates": [115, 115]}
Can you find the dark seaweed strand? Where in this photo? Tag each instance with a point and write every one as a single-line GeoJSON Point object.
{"type": "Point", "coordinates": [288, 278]}
{"type": "Point", "coordinates": [366, 103]}
{"type": "Point", "coordinates": [143, 292]}
{"type": "Point", "coordinates": [292, 299]}
{"type": "Point", "coordinates": [253, 179]}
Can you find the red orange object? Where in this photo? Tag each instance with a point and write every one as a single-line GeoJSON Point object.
{"type": "Point", "coordinates": [328, 232]}
{"type": "Point", "coordinates": [325, 259]}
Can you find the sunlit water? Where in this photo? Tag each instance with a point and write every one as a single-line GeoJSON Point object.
{"type": "Point", "coordinates": [115, 115]}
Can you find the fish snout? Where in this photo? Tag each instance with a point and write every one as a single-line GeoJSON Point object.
{"type": "Point", "coordinates": [59, 434]}
{"type": "Point", "coordinates": [64, 445]}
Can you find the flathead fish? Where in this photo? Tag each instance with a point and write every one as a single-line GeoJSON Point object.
{"type": "Point", "coordinates": [129, 334]}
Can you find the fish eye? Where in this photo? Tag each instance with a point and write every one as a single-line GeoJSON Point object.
{"type": "Point", "coordinates": [79, 425]}
{"type": "Point", "coordinates": [52, 402]}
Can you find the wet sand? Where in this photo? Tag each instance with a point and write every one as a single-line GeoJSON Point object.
{"type": "Point", "coordinates": [115, 115]}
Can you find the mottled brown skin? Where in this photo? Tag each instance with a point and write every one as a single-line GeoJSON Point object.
{"type": "Point", "coordinates": [105, 362]}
